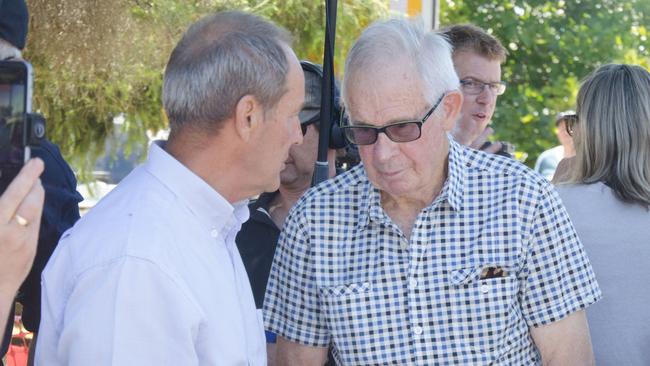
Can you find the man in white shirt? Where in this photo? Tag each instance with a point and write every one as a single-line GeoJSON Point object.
{"type": "Point", "coordinates": [152, 275]}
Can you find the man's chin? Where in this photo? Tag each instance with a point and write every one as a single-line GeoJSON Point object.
{"type": "Point", "coordinates": [272, 187]}
{"type": "Point", "coordinates": [480, 124]}
{"type": "Point", "coordinates": [287, 178]}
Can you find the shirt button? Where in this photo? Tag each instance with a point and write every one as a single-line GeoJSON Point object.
{"type": "Point", "coordinates": [413, 282]}
{"type": "Point", "coordinates": [417, 330]}
{"type": "Point", "coordinates": [485, 289]}
{"type": "Point", "coordinates": [214, 233]}
{"type": "Point", "coordinates": [404, 244]}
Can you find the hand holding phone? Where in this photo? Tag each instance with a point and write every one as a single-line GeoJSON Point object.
{"type": "Point", "coordinates": [18, 127]}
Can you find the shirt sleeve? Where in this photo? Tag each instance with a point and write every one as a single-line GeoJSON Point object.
{"type": "Point", "coordinates": [560, 279]}
{"type": "Point", "coordinates": [291, 304]}
{"type": "Point", "coordinates": [127, 312]}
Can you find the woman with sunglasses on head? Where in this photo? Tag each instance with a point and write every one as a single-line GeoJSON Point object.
{"type": "Point", "coordinates": [606, 190]}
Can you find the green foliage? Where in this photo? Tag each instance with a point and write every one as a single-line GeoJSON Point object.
{"type": "Point", "coordinates": [95, 60]}
{"type": "Point", "coordinates": [552, 46]}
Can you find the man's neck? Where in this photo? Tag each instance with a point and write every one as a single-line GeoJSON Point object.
{"type": "Point", "coordinates": [282, 203]}
{"type": "Point", "coordinates": [224, 175]}
{"type": "Point", "coordinates": [461, 137]}
{"type": "Point", "coordinates": [404, 210]}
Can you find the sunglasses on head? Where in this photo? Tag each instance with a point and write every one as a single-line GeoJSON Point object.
{"type": "Point", "coordinates": [570, 121]}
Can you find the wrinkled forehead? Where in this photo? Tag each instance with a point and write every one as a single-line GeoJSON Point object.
{"type": "Point", "coordinates": [372, 94]}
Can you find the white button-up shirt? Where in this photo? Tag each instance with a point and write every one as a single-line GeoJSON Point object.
{"type": "Point", "coordinates": [152, 276]}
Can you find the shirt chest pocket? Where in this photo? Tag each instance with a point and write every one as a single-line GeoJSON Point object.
{"type": "Point", "coordinates": [483, 311]}
{"type": "Point", "coordinates": [360, 322]}
{"type": "Point", "coordinates": [345, 308]}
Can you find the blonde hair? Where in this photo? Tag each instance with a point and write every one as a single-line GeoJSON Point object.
{"type": "Point", "coordinates": [612, 135]}
{"type": "Point", "coordinates": [468, 37]}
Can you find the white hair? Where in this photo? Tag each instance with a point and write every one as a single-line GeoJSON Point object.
{"type": "Point", "coordinates": [384, 42]}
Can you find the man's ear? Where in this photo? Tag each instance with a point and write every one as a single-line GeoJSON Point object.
{"type": "Point", "coordinates": [451, 106]}
{"type": "Point", "coordinates": [248, 116]}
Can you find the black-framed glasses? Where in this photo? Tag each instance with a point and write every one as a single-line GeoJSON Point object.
{"type": "Point", "coordinates": [305, 126]}
{"type": "Point", "coordinates": [404, 131]}
{"type": "Point", "coordinates": [475, 87]}
{"type": "Point", "coordinates": [570, 121]}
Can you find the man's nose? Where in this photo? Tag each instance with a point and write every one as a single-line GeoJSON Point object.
{"type": "Point", "coordinates": [384, 148]}
{"type": "Point", "coordinates": [486, 96]}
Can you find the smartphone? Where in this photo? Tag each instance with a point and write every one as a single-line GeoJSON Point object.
{"type": "Point", "coordinates": [15, 104]}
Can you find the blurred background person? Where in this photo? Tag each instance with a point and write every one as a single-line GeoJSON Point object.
{"type": "Point", "coordinates": [549, 159]}
{"type": "Point", "coordinates": [607, 195]}
{"type": "Point", "coordinates": [61, 208]}
{"type": "Point", "coordinates": [20, 217]}
{"type": "Point", "coordinates": [478, 57]}
{"type": "Point", "coordinates": [258, 237]}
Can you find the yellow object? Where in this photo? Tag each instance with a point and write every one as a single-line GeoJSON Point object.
{"type": "Point", "coordinates": [414, 7]}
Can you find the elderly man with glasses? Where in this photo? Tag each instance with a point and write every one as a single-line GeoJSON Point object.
{"type": "Point", "coordinates": [477, 59]}
{"type": "Point", "coordinates": [428, 252]}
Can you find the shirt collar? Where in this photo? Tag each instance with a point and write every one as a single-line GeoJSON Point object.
{"type": "Point", "coordinates": [260, 207]}
{"type": "Point", "coordinates": [209, 207]}
{"type": "Point", "coordinates": [456, 174]}
{"type": "Point", "coordinates": [453, 188]}
{"type": "Point", "coordinates": [366, 192]}
{"type": "Point", "coordinates": [263, 201]}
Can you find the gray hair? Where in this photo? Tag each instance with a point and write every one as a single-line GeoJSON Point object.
{"type": "Point", "coordinates": [386, 42]}
{"type": "Point", "coordinates": [220, 59]}
{"type": "Point", "coordinates": [613, 131]}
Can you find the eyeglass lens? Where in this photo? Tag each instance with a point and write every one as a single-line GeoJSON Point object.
{"type": "Point", "coordinates": [570, 122]}
{"type": "Point", "coordinates": [405, 131]}
{"type": "Point", "coordinates": [475, 87]}
{"type": "Point", "coordinates": [401, 132]}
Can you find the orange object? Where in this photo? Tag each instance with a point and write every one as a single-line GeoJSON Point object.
{"type": "Point", "coordinates": [18, 352]}
{"type": "Point", "coordinates": [414, 7]}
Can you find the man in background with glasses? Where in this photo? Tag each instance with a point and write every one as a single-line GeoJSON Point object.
{"type": "Point", "coordinates": [428, 253]}
{"type": "Point", "coordinates": [548, 160]}
{"type": "Point", "coordinates": [477, 58]}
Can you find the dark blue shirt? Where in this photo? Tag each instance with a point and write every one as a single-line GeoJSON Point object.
{"type": "Point", "coordinates": [60, 212]}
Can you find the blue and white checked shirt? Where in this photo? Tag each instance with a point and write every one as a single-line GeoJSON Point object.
{"type": "Point", "coordinates": [344, 273]}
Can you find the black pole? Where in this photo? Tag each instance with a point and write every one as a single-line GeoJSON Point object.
{"type": "Point", "coordinates": [435, 21]}
{"type": "Point", "coordinates": [321, 169]}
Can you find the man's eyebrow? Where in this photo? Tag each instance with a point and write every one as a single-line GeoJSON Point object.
{"type": "Point", "coordinates": [474, 78]}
